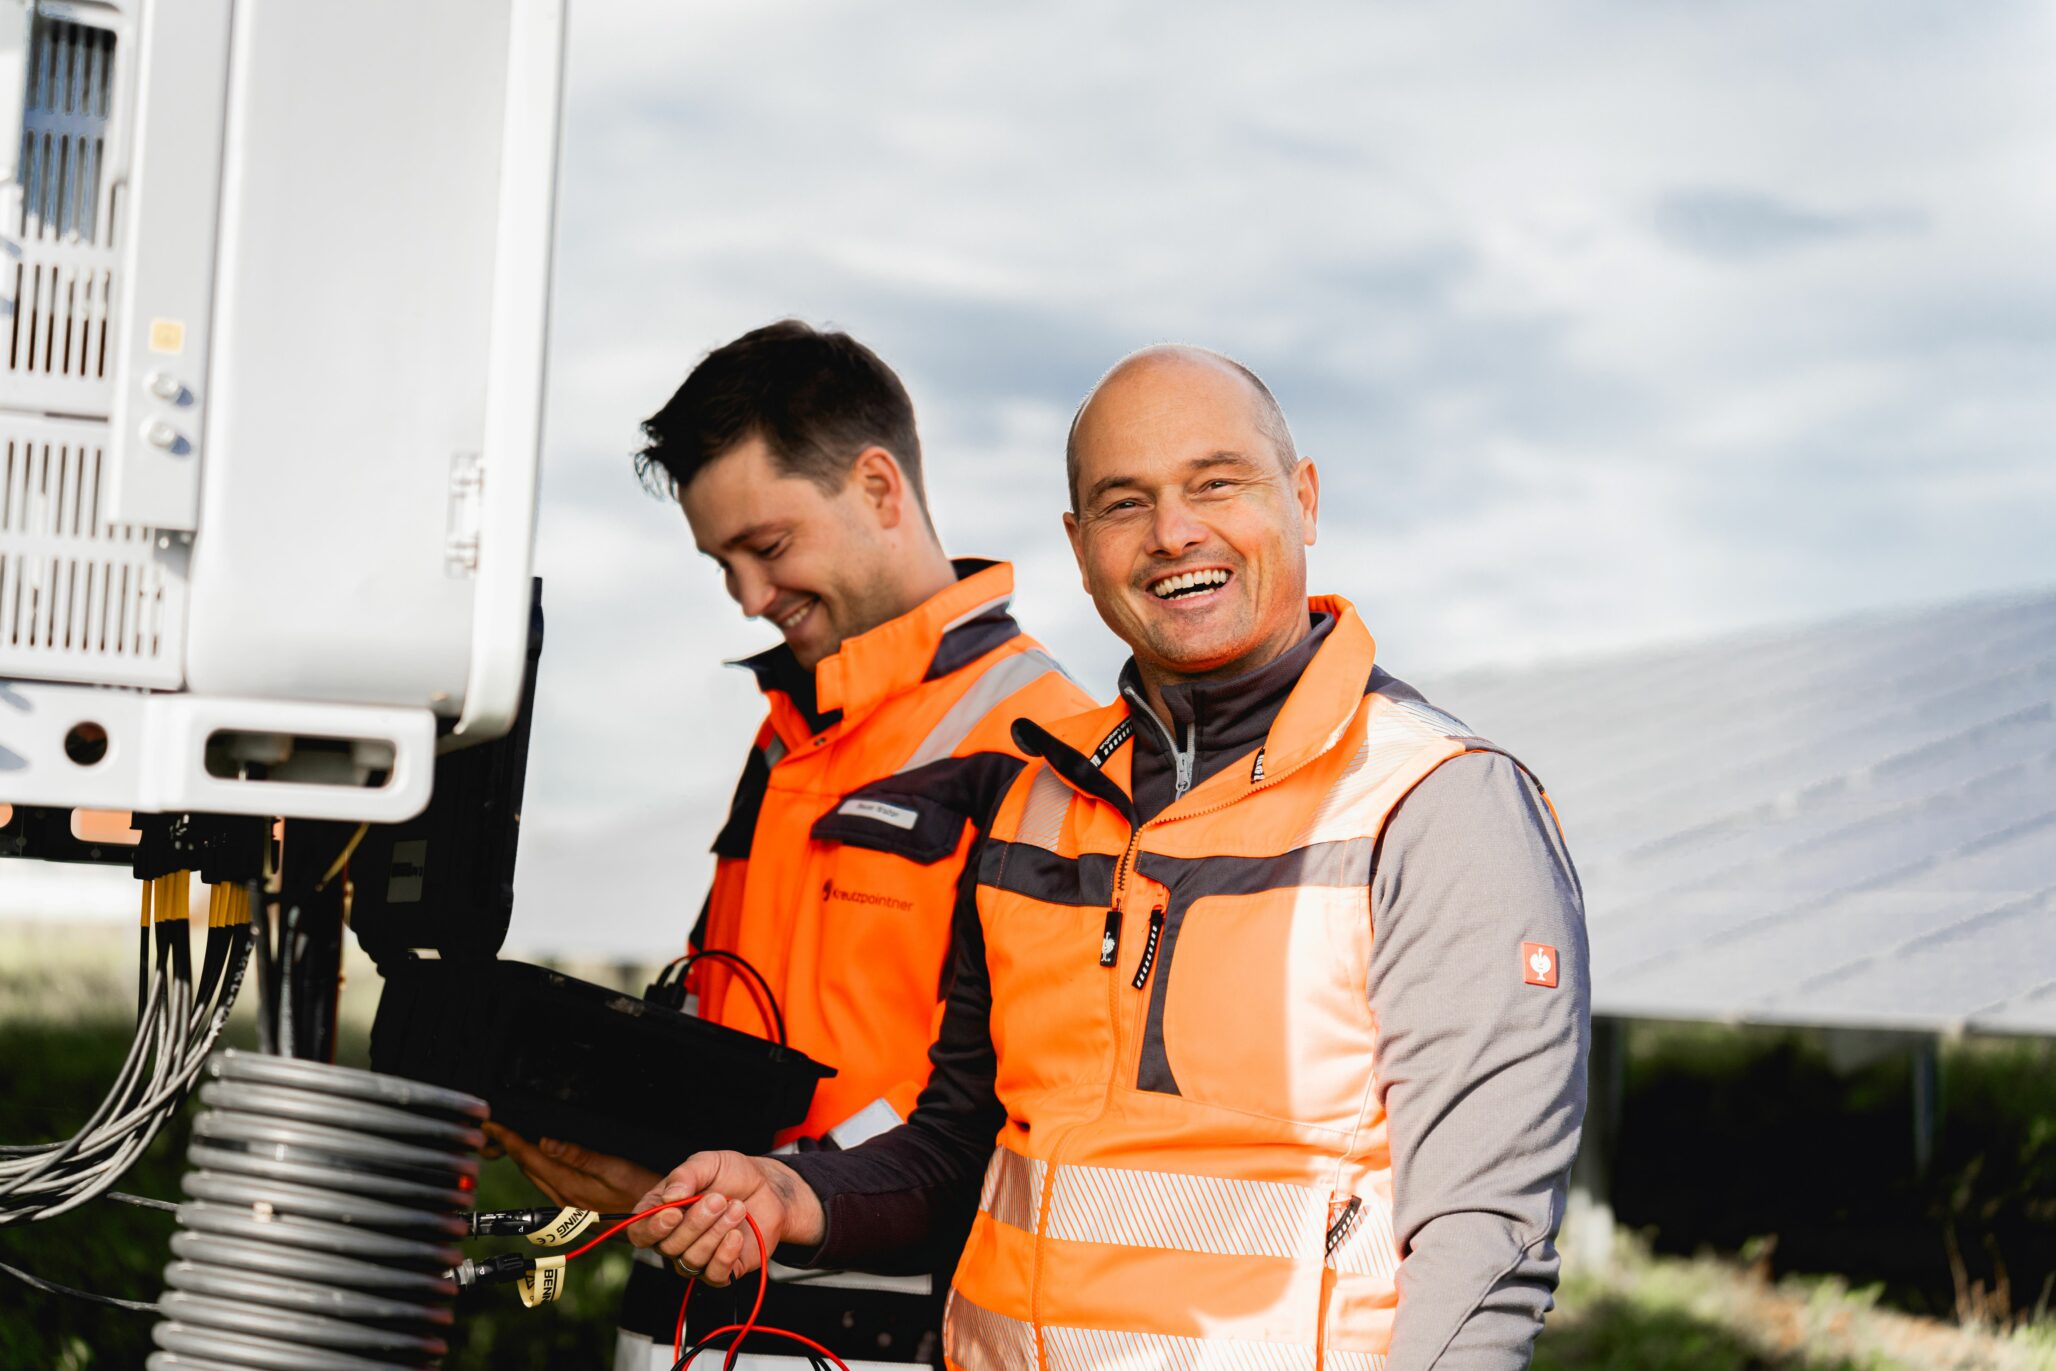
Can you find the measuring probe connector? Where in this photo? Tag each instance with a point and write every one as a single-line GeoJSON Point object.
{"type": "Point", "coordinates": [508, 1266]}
{"type": "Point", "coordinates": [519, 1223]}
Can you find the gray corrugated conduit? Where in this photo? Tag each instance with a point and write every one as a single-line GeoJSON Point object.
{"type": "Point", "coordinates": [323, 1209]}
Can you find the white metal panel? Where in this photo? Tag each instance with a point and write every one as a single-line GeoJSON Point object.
{"type": "Point", "coordinates": [360, 210]}
{"type": "Point", "coordinates": [156, 744]}
{"type": "Point", "coordinates": [514, 378]}
{"type": "Point", "coordinates": [158, 367]}
{"type": "Point", "coordinates": [82, 598]}
{"type": "Point", "coordinates": [14, 54]}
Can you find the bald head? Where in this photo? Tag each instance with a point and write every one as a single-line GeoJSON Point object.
{"type": "Point", "coordinates": [1172, 366]}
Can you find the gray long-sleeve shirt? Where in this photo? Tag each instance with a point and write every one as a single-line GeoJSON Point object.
{"type": "Point", "coordinates": [1482, 1076]}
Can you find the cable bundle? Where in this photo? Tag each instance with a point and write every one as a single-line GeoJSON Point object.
{"type": "Point", "coordinates": [550, 1228]}
{"type": "Point", "coordinates": [178, 1021]}
{"type": "Point", "coordinates": [669, 989]}
{"type": "Point", "coordinates": [324, 1205]}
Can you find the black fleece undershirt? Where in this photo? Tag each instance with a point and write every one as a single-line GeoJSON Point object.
{"type": "Point", "coordinates": [1227, 720]}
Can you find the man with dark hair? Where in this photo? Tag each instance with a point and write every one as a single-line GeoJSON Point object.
{"type": "Point", "coordinates": [1266, 1041]}
{"type": "Point", "coordinates": [795, 456]}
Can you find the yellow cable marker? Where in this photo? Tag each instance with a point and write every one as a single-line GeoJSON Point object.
{"type": "Point", "coordinates": [545, 1283]}
{"type": "Point", "coordinates": [567, 1225]}
{"type": "Point", "coordinates": [144, 919]}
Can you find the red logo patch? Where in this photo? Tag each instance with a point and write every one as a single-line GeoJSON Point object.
{"type": "Point", "coordinates": [1538, 964]}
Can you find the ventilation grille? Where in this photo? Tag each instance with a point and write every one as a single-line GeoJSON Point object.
{"type": "Point", "coordinates": [64, 134]}
{"type": "Point", "coordinates": [80, 598]}
{"type": "Point", "coordinates": [60, 289]}
{"type": "Point", "coordinates": [60, 320]}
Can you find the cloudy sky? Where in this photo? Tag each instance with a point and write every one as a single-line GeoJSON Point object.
{"type": "Point", "coordinates": [1607, 323]}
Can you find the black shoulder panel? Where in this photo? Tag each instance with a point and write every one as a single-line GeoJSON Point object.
{"type": "Point", "coordinates": [920, 814]}
{"type": "Point", "coordinates": [734, 839]}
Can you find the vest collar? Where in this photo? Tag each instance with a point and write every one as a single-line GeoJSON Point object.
{"type": "Point", "coordinates": [1320, 708]}
{"type": "Point", "coordinates": [1315, 715]}
{"type": "Point", "coordinates": [947, 631]}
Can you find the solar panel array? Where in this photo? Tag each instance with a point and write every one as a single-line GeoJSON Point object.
{"type": "Point", "coordinates": [1852, 824]}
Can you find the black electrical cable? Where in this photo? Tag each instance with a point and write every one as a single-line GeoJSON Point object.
{"type": "Point", "coordinates": [712, 1340]}
{"type": "Point", "coordinates": [685, 964]}
{"type": "Point", "coordinates": [53, 1288]}
{"type": "Point", "coordinates": [262, 936]}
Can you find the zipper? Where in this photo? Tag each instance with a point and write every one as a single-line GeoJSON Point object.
{"type": "Point", "coordinates": [1110, 935]}
{"type": "Point", "coordinates": [1183, 759]}
{"type": "Point", "coordinates": [1149, 949]}
{"type": "Point", "coordinates": [1186, 760]}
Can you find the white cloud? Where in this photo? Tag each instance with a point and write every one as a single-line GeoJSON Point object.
{"type": "Point", "coordinates": [1608, 322]}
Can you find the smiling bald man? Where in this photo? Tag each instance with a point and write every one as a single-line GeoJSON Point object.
{"type": "Point", "coordinates": [1266, 1033]}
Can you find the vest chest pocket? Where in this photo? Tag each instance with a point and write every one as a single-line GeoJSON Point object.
{"type": "Point", "coordinates": [879, 867]}
{"type": "Point", "coordinates": [910, 826]}
{"type": "Point", "coordinates": [1259, 1003]}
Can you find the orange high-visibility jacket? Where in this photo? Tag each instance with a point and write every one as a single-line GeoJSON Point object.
{"type": "Point", "coordinates": [1195, 1169]}
{"type": "Point", "coordinates": [837, 870]}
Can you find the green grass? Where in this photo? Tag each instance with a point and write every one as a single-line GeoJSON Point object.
{"type": "Point", "coordinates": [63, 1030]}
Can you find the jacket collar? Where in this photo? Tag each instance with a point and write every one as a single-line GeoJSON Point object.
{"type": "Point", "coordinates": [944, 633]}
{"type": "Point", "coordinates": [1316, 713]}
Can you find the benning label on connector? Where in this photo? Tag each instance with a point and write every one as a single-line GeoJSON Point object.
{"type": "Point", "coordinates": [562, 1229]}
{"type": "Point", "coordinates": [543, 1284]}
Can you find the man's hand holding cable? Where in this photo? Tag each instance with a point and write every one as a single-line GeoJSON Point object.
{"type": "Point", "coordinates": [709, 1237]}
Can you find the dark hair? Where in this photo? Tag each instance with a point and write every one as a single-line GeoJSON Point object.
{"type": "Point", "coordinates": [817, 398]}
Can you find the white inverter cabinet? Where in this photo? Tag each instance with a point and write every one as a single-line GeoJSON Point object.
{"type": "Point", "coordinates": [273, 303]}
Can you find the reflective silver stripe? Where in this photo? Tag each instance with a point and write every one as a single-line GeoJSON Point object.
{"type": "Point", "coordinates": [1001, 679]}
{"type": "Point", "coordinates": [774, 751]}
{"type": "Point", "coordinates": [1013, 1189]}
{"type": "Point", "coordinates": [979, 1340]}
{"type": "Point", "coordinates": [1332, 1360]}
{"type": "Point", "coordinates": [634, 1352]}
{"type": "Point", "coordinates": [851, 1280]}
{"type": "Point", "coordinates": [867, 1123]}
{"type": "Point", "coordinates": [1042, 815]}
{"type": "Point", "coordinates": [1210, 1214]}
{"type": "Point", "coordinates": [1099, 1349]}
{"type": "Point", "coordinates": [1437, 721]}
{"type": "Point", "coordinates": [1394, 735]}
{"type": "Point", "coordinates": [997, 602]}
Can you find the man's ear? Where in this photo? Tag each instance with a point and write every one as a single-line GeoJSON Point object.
{"type": "Point", "coordinates": [881, 483]}
{"type": "Point", "coordinates": [1306, 486]}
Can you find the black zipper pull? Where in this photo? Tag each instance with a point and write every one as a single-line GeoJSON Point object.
{"type": "Point", "coordinates": [1344, 1223]}
{"type": "Point", "coordinates": [1110, 940]}
{"type": "Point", "coordinates": [1156, 930]}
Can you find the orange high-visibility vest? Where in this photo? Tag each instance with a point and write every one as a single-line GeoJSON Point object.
{"type": "Point", "coordinates": [1194, 1171]}
{"type": "Point", "coordinates": [837, 870]}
